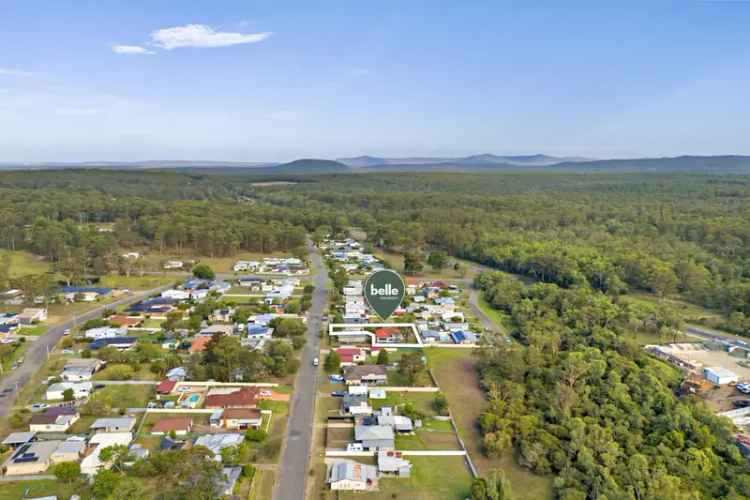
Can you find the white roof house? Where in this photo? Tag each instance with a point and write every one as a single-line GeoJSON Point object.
{"type": "Point", "coordinates": [720, 376]}
{"type": "Point", "coordinates": [217, 442]}
{"type": "Point", "coordinates": [114, 424]}
{"type": "Point", "coordinates": [80, 390]}
{"type": "Point", "coordinates": [91, 464]}
{"type": "Point", "coordinates": [351, 475]}
{"type": "Point", "coordinates": [105, 332]}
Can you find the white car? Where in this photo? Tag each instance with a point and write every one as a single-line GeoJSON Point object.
{"type": "Point", "coordinates": [316, 362]}
{"type": "Point", "coordinates": [355, 447]}
{"type": "Point", "coordinates": [66, 331]}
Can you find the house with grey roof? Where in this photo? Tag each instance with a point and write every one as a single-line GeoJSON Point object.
{"type": "Point", "coordinates": [392, 463]}
{"type": "Point", "coordinates": [375, 437]}
{"type": "Point", "coordinates": [365, 374]}
{"type": "Point", "coordinates": [351, 475]}
{"type": "Point", "coordinates": [114, 424]}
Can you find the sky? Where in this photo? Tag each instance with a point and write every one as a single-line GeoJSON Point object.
{"type": "Point", "coordinates": [274, 81]}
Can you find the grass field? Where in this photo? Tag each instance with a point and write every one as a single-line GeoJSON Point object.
{"type": "Point", "coordinates": [263, 483]}
{"type": "Point", "coordinates": [32, 330]}
{"type": "Point", "coordinates": [136, 282]}
{"type": "Point", "coordinates": [432, 478]}
{"type": "Point", "coordinates": [25, 263]}
{"type": "Point", "coordinates": [126, 396]}
{"type": "Point", "coordinates": [422, 401]}
{"type": "Point", "coordinates": [455, 373]}
{"type": "Point", "coordinates": [31, 489]}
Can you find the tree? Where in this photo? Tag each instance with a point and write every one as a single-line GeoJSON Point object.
{"type": "Point", "coordinates": [494, 487]}
{"type": "Point", "coordinates": [287, 327]}
{"type": "Point", "coordinates": [382, 357]}
{"type": "Point", "coordinates": [67, 472]}
{"type": "Point", "coordinates": [115, 455]}
{"type": "Point", "coordinates": [105, 483]}
{"type": "Point", "coordinates": [411, 365]}
{"type": "Point", "coordinates": [413, 262]}
{"type": "Point", "coordinates": [68, 395]}
{"type": "Point", "coordinates": [255, 435]}
{"type": "Point", "coordinates": [438, 259]}
{"type": "Point", "coordinates": [333, 362]}
{"type": "Point", "coordinates": [203, 271]}
{"type": "Point", "coordinates": [440, 404]}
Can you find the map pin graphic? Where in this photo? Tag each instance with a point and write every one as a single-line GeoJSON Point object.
{"type": "Point", "coordinates": [384, 291]}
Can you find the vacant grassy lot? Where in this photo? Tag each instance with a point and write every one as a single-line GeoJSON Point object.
{"type": "Point", "coordinates": [136, 282]}
{"type": "Point", "coordinates": [457, 377]}
{"type": "Point", "coordinates": [422, 401]}
{"type": "Point", "coordinates": [31, 489]}
{"type": "Point", "coordinates": [32, 330]}
{"type": "Point", "coordinates": [432, 478]}
{"type": "Point", "coordinates": [25, 263]}
{"type": "Point", "coordinates": [125, 396]}
{"type": "Point", "coordinates": [428, 439]}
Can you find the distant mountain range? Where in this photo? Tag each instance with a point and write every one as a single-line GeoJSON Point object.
{"type": "Point", "coordinates": [474, 163]}
{"type": "Point", "coordinates": [481, 159]}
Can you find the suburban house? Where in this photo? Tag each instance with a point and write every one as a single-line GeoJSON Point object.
{"type": "Point", "coordinates": [365, 374]}
{"type": "Point", "coordinates": [232, 397]}
{"type": "Point", "coordinates": [165, 386]}
{"type": "Point", "coordinates": [54, 419]}
{"type": "Point", "coordinates": [237, 418]}
{"type": "Point", "coordinates": [179, 425]}
{"type": "Point", "coordinates": [199, 343]}
{"type": "Point", "coordinates": [80, 370]}
{"type": "Point", "coordinates": [31, 315]}
{"type": "Point", "coordinates": [399, 423]}
{"type": "Point", "coordinates": [389, 335]}
{"type": "Point", "coordinates": [119, 343]}
{"type": "Point", "coordinates": [356, 404]}
{"type": "Point", "coordinates": [392, 463]}
{"type": "Point", "coordinates": [351, 355]}
{"type": "Point", "coordinates": [351, 475]}
{"type": "Point", "coordinates": [245, 265]}
{"type": "Point", "coordinates": [113, 424]}
{"type": "Point", "coordinates": [177, 374]}
{"type": "Point", "coordinates": [217, 442]}
{"type": "Point", "coordinates": [84, 293]}
{"type": "Point", "coordinates": [15, 440]}
{"type": "Point", "coordinates": [125, 321]}
{"type": "Point", "coordinates": [375, 437]}
{"type": "Point", "coordinates": [91, 464]}
{"type": "Point", "coordinates": [31, 458]}
{"type": "Point", "coordinates": [176, 294]}
{"type": "Point", "coordinates": [80, 390]}
{"type": "Point", "coordinates": [251, 282]}
{"type": "Point", "coordinates": [69, 451]}
{"type": "Point", "coordinates": [214, 329]}
{"type": "Point", "coordinates": [259, 332]}
{"type": "Point", "coordinates": [105, 332]}
{"type": "Point", "coordinates": [223, 315]}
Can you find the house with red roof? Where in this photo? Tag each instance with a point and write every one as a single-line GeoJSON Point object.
{"type": "Point", "coordinates": [200, 343]}
{"type": "Point", "coordinates": [165, 386]}
{"type": "Point", "coordinates": [351, 355]}
{"type": "Point", "coordinates": [179, 425]}
{"type": "Point", "coordinates": [389, 334]}
{"type": "Point", "coordinates": [243, 397]}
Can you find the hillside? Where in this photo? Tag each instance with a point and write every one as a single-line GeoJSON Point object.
{"type": "Point", "coordinates": [306, 166]}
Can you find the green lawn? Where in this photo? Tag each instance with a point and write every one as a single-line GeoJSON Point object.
{"type": "Point", "coordinates": [422, 401]}
{"type": "Point", "coordinates": [428, 439]}
{"type": "Point", "coordinates": [457, 377]}
{"type": "Point", "coordinates": [432, 478]}
{"type": "Point", "coordinates": [25, 263]}
{"type": "Point", "coordinates": [136, 282]}
{"type": "Point", "coordinates": [262, 487]}
{"type": "Point", "coordinates": [125, 396]}
{"type": "Point", "coordinates": [31, 489]}
{"type": "Point", "coordinates": [32, 330]}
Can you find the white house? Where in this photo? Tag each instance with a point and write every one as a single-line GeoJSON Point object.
{"type": "Point", "coordinates": [32, 315]}
{"type": "Point", "coordinates": [720, 376]}
{"type": "Point", "coordinates": [105, 332]}
{"type": "Point", "coordinates": [80, 390]}
{"type": "Point", "coordinates": [91, 464]}
{"type": "Point", "coordinates": [351, 475]}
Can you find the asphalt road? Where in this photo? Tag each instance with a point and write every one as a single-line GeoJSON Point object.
{"type": "Point", "coordinates": [36, 354]}
{"type": "Point", "coordinates": [296, 454]}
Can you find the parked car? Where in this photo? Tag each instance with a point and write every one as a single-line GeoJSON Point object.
{"type": "Point", "coordinates": [338, 394]}
{"type": "Point", "coordinates": [336, 378]}
{"type": "Point", "coordinates": [743, 387]}
{"type": "Point", "coordinates": [316, 362]}
{"type": "Point", "coordinates": [66, 331]}
{"type": "Point", "coordinates": [355, 447]}
{"type": "Point", "coordinates": [39, 406]}
{"type": "Point", "coordinates": [741, 403]}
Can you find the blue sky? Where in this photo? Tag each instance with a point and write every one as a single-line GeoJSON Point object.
{"type": "Point", "coordinates": [256, 81]}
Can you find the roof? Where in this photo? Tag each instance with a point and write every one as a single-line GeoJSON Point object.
{"type": "Point", "coordinates": [391, 461]}
{"type": "Point", "coordinates": [71, 447]}
{"type": "Point", "coordinates": [111, 438]}
{"type": "Point", "coordinates": [372, 432]}
{"type": "Point", "coordinates": [217, 442]}
{"type": "Point", "coordinates": [122, 320]}
{"type": "Point", "coordinates": [118, 422]}
{"type": "Point", "coordinates": [165, 386]}
{"type": "Point", "coordinates": [39, 451]}
{"type": "Point", "coordinates": [99, 343]}
{"type": "Point", "coordinates": [357, 372]}
{"type": "Point", "coordinates": [173, 424]}
{"type": "Point", "coordinates": [199, 344]}
{"type": "Point", "coordinates": [720, 371]}
{"type": "Point", "coordinates": [85, 289]}
{"type": "Point", "coordinates": [349, 470]}
{"type": "Point", "coordinates": [18, 438]}
{"type": "Point", "coordinates": [241, 414]}
{"type": "Point", "coordinates": [244, 397]}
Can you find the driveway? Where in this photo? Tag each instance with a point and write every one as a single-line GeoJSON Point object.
{"type": "Point", "coordinates": [295, 458]}
{"type": "Point", "coordinates": [37, 352]}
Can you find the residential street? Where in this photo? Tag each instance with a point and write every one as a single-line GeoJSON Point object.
{"type": "Point", "coordinates": [37, 351]}
{"type": "Point", "coordinates": [290, 484]}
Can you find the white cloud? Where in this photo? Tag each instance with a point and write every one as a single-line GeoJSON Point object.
{"type": "Point", "coordinates": [200, 35]}
{"type": "Point", "coordinates": [14, 72]}
{"type": "Point", "coordinates": [77, 111]}
{"type": "Point", "coordinates": [130, 49]}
